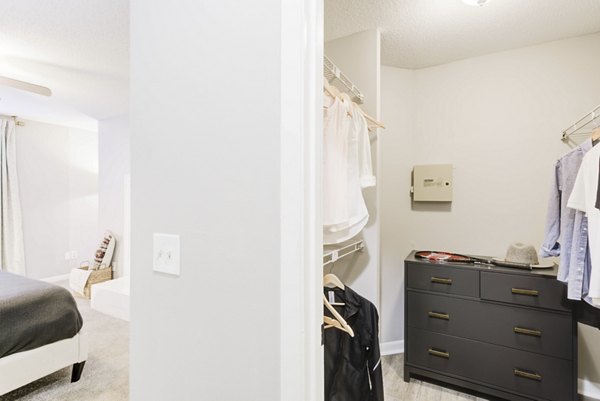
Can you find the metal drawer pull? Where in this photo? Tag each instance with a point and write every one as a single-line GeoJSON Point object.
{"type": "Point", "coordinates": [527, 375]}
{"type": "Point", "coordinates": [438, 315]}
{"type": "Point", "coordinates": [520, 291]}
{"type": "Point", "coordinates": [447, 281]}
{"type": "Point", "coordinates": [441, 354]}
{"type": "Point", "coordinates": [529, 332]}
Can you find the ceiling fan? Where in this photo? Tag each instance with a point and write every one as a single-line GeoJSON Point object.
{"type": "Point", "coordinates": [25, 86]}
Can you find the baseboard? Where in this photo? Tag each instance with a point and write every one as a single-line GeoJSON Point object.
{"type": "Point", "coordinates": [391, 347]}
{"type": "Point", "coordinates": [588, 389]}
{"type": "Point", "coordinates": [56, 279]}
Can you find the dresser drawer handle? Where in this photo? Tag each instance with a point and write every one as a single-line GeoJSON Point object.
{"type": "Point", "coordinates": [529, 332]}
{"type": "Point", "coordinates": [441, 354]}
{"type": "Point", "coordinates": [437, 315]}
{"type": "Point", "coordinates": [520, 291]}
{"type": "Point", "coordinates": [438, 280]}
{"type": "Point", "coordinates": [527, 375]}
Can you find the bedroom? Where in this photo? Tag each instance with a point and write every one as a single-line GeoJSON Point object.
{"type": "Point", "coordinates": [226, 135]}
{"type": "Point", "coordinates": [72, 157]}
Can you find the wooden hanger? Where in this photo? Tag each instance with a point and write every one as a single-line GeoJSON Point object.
{"type": "Point", "coordinates": [331, 280]}
{"type": "Point", "coordinates": [329, 323]}
{"type": "Point", "coordinates": [374, 123]}
{"type": "Point", "coordinates": [596, 134]}
{"type": "Point", "coordinates": [335, 92]}
{"type": "Point", "coordinates": [331, 90]}
{"type": "Point", "coordinates": [338, 321]}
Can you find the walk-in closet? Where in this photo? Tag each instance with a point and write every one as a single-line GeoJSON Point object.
{"type": "Point", "coordinates": [459, 128]}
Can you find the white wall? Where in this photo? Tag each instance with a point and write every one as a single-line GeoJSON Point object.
{"type": "Point", "coordinates": [113, 170]}
{"type": "Point", "coordinates": [498, 119]}
{"type": "Point", "coordinates": [58, 170]}
{"type": "Point", "coordinates": [205, 164]}
{"type": "Point", "coordinates": [83, 194]}
{"type": "Point", "coordinates": [395, 152]}
{"type": "Point", "coordinates": [358, 56]}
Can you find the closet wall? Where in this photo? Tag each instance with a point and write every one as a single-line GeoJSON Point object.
{"type": "Point", "coordinates": [358, 56]}
{"type": "Point", "coordinates": [498, 120]}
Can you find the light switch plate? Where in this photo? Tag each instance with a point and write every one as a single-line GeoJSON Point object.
{"type": "Point", "coordinates": [166, 255]}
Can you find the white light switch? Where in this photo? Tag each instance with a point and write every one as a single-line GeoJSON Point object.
{"type": "Point", "coordinates": [166, 254]}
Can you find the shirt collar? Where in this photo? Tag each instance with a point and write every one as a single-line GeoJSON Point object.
{"type": "Point", "coordinates": [353, 302]}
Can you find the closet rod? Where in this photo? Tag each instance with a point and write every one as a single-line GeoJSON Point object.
{"type": "Point", "coordinates": [333, 74]}
{"type": "Point", "coordinates": [336, 254]}
{"type": "Point", "coordinates": [580, 124]}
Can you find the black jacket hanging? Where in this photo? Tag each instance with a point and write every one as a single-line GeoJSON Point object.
{"type": "Point", "coordinates": [353, 364]}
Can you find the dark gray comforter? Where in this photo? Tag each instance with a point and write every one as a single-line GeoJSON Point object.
{"type": "Point", "coordinates": [34, 313]}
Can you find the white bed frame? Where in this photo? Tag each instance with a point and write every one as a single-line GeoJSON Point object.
{"type": "Point", "coordinates": [17, 370]}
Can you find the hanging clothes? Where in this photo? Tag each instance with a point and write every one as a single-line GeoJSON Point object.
{"type": "Point", "coordinates": [353, 364]}
{"type": "Point", "coordinates": [583, 198]}
{"type": "Point", "coordinates": [347, 169]}
{"type": "Point", "coordinates": [568, 225]}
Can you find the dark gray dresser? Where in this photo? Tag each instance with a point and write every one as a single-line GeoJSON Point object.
{"type": "Point", "coordinates": [506, 332]}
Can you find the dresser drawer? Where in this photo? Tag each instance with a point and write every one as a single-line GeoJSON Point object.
{"type": "Point", "coordinates": [447, 280]}
{"type": "Point", "coordinates": [524, 290]}
{"type": "Point", "coordinates": [544, 332]}
{"type": "Point", "coordinates": [524, 372]}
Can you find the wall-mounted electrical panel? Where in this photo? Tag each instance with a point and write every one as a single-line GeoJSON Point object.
{"type": "Point", "coordinates": [432, 183]}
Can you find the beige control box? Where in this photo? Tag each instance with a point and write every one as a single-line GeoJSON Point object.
{"type": "Point", "coordinates": [432, 183]}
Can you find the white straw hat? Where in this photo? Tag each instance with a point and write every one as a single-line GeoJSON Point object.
{"type": "Point", "coordinates": [524, 254]}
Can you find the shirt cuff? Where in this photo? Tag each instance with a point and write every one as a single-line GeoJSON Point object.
{"type": "Point", "coordinates": [368, 181]}
{"type": "Point", "coordinates": [546, 251]}
{"type": "Point", "coordinates": [576, 206]}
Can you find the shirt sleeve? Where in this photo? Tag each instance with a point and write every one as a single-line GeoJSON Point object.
{"type": "Point", "coordinates": [577, 199]}
{"type": "Point", "coordinates": [365, 165]}
{"type": "Point", "coordinates": [374, 361]}
{"type": "Point", "coordinates": [551, 246]}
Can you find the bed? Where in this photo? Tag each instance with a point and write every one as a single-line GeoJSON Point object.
{"type": "Point", "coordinates": [40, 332]}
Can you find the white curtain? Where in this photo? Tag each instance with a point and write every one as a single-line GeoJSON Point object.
{"type": "Point", "coordinates": [12, 255]}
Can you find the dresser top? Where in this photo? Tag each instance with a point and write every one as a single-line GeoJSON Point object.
{"type": "Point", "coordinates": [551, 272]}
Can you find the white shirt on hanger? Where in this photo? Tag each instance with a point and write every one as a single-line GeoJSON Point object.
{"type": "Point", "coordinates": [583, 197]}
{"type": "Point", "coordinates": [347, 170]}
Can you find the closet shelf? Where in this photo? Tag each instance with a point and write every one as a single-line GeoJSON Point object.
{"type": "Point", "coordinates": [582, 127]}
{"type": "Point", "coordinates": [335, 76]}
{"type": "Point", "coordinates": [331, 256]}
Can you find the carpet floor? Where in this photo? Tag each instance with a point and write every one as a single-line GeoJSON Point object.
{"type": "Point", "coordinates": [106, 373]}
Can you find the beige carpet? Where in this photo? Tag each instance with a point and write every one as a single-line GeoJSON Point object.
{"type": "Point", "coordinates": [106, 373]}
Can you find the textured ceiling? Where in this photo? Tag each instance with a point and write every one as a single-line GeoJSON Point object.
{"type": "Point", "coordinates": [79, 49]}
{"type": "Point", "coordinates": [423, 33]}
